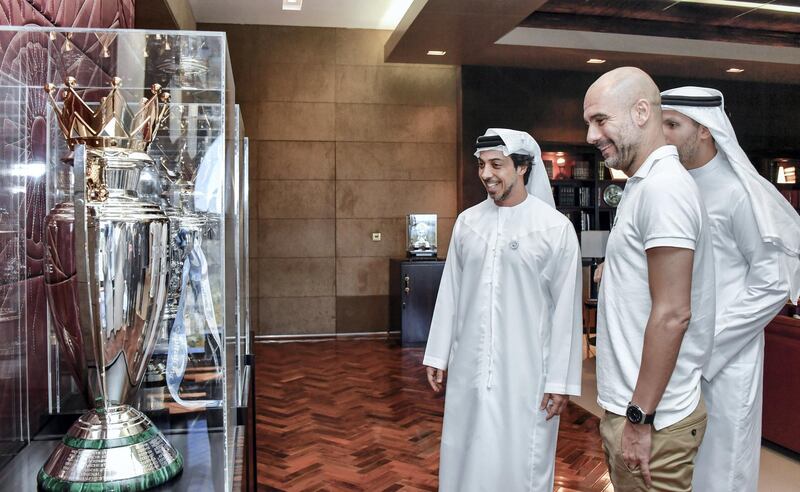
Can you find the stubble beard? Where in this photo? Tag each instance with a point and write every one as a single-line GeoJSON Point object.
{"type": "Point", "coordinates": [688, 150]}
{"type": "Point", "coordinates": [506, 193]}
{"type": "Point", "coordinates": [626, 153]}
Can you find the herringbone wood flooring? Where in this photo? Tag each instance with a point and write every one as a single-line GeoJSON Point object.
{"type": "Point", "coordinates": [359, 415]}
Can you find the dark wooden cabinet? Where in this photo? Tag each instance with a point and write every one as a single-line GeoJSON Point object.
{"type": "Point", "coordinates": [782, 382]}
{"type": "Point", "coordinates": [413, 289]}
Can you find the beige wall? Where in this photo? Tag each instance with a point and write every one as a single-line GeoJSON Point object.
{"type": "Point", "coordinates": [342, 145]}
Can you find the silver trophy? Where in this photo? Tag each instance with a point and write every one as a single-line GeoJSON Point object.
{"type": "Point", "coordinates": [178, 168]}
{"type": "Point", "coordinates": [106, 275]}
{"type": "Point", "coordinates": [189, 312]}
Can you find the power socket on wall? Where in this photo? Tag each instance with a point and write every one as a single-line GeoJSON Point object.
{"type": "Point", "coordinates": [376, 236]}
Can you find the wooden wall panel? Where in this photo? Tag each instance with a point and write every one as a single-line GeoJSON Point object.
{"type": "Point", "coordinates": [344, 145]}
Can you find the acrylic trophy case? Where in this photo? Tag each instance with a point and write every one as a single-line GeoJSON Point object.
{"type": "Point", "coordinates": [14, 176]}
{"type": "Point", "coordinates": [145, 240]}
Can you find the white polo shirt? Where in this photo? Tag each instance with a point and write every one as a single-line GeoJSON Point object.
{"type": "Point", "coordinates": [661, 206]}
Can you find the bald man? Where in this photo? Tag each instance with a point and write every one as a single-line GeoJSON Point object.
{"type": "Point", "coordinates": [655, 324]}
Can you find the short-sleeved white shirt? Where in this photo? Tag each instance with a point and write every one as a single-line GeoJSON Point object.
{"type": "Point", "coordinates": [661, 206]}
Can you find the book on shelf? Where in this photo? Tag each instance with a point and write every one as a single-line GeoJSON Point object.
{"type": "Point", "coordinates": [586, 220]}
{"type": "Point", "coordinates": [585, 196]}
{"type": "Point", "coordinates": [581, 219]}
{"type": "Point", "coordinates": [582, 170]}
{"type": "Point", "coordinates": [566, 196]}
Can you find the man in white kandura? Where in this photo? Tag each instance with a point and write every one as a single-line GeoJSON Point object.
{"type": "Point", "coordinates": [756, 238]}
{"type": "Point", "coordinates": [507, 326]}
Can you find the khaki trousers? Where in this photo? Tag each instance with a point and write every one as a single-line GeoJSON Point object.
{"type": "Point", "coordinates": [671, 458]}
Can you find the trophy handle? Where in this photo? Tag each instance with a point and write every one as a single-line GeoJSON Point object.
{"type": "Point", "coordinates": [85, 271]}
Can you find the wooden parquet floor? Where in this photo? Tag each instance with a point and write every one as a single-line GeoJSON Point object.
{"type": "Point", "coordinates": [358, 415]}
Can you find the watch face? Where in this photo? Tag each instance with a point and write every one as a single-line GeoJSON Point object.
{"type": "Point", "coordinates": [612, 195]}
{"type": "Point", "coordinates": [634, 414]}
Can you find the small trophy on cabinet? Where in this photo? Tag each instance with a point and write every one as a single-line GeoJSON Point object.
{"type": "Point", "coordinates": [421, 236]}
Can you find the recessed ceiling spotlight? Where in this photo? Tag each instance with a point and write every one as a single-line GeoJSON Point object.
{"type": "Point", "coordinates": [436, 52]}
{"type": "Point", "coordinates": [735, 70]}
{"type": "Point", "coordinates": [595, 60]}
{"type": "Point", "coordinates": [292, 4]}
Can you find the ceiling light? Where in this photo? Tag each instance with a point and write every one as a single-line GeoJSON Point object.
{"type": "Point", "coordinates": [748, 5]}
{"type": "Point", "coordinates": [735, 70]}
{"type": "Point", "coordinates": [595, 60]}
{"type": "Point", "coordinates": [292, 4]}
{"type": "Point", "coordinates": [436, 53]}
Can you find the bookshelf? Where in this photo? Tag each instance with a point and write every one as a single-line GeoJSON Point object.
{"type": "Point", "coordinates": [782, 171]}
{"type": "Point", "coordinates": [578, 180]}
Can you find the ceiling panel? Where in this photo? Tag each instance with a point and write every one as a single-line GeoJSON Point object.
{"type": "Point", "coordinates": [362, 14]}
{"type": "Point", "coordinates": [616, 15]}
{"type": "Point", "coordinates": [718, 33]}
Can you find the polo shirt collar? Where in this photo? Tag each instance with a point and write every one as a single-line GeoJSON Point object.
{"type": "Point", "coordinates": [656, 155]}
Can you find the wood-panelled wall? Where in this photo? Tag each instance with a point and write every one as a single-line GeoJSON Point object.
{"type": "Point", "coordinates": [342, 145]}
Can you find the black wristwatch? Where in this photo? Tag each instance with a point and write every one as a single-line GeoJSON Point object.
{"type": "Point", "coordinates": [636, 415]}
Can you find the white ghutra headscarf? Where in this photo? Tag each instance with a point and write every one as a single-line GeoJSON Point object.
{"type": "Point", "coordinates": [516, 142]}
{"type": "Point", "coordinates": [777, 220]}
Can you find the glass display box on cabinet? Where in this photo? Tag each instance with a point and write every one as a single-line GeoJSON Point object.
{"type": "Point", "coordinates": [137, 230]}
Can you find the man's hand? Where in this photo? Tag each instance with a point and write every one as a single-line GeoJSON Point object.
{"type": "Point", "coordinates": [636, 449]}
{"type": "Point", "coordinates": [598, 273]}
{"type": "Point", "coordinates": [435, 378]}
{"type": "Point", "coordinates": [559, 403]}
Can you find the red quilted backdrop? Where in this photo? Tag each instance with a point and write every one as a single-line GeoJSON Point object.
{"type": "Point", "coordinates": [24, 55]}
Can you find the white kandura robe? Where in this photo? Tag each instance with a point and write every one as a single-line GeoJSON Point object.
{"type": "Point", "coordinates": [507, 326]}
{"type": "Point", "coordinates": [750, 290]}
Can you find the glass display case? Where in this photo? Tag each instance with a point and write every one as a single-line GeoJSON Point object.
{"type": "Point", "coordinates": [13, 354]}
{"type": "Point", "coordinates": [145, 258]}
{"type": "Point", "coordinates": [242, 339]}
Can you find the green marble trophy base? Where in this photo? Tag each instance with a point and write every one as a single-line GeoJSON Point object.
{"type": "Point", "coordinates": [113, 449]}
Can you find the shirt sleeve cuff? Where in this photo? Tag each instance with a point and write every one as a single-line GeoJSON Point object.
{"type": "Point", "coordinates": [563, 389]}
{"type": "Point", "coordinates": [673, 242]}
{"type": "Point", "coordinates": [434, 362]}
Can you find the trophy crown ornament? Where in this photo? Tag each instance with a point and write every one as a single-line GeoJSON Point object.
{"type": "Point", "coordinates": [112, 124]}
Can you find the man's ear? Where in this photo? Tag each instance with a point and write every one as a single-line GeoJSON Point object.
{"type": "Point", "coordinates": [704, 133]}
{"type": "Point", "coordinates": [641, 111]}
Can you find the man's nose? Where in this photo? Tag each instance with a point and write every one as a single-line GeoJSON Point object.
{"type": "Point", "coordinates": [592, 135]}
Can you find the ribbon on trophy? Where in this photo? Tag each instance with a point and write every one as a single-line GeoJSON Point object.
{"type": "Point", "coordinates": [194, 279]}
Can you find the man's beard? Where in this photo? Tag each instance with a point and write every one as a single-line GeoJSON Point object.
{"type": "Point", "coordinates": [626, 154]}
{"type": "Point", "coordinates": [688, 150]}
{"type": "Point", "coordinates": [506, 193]}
